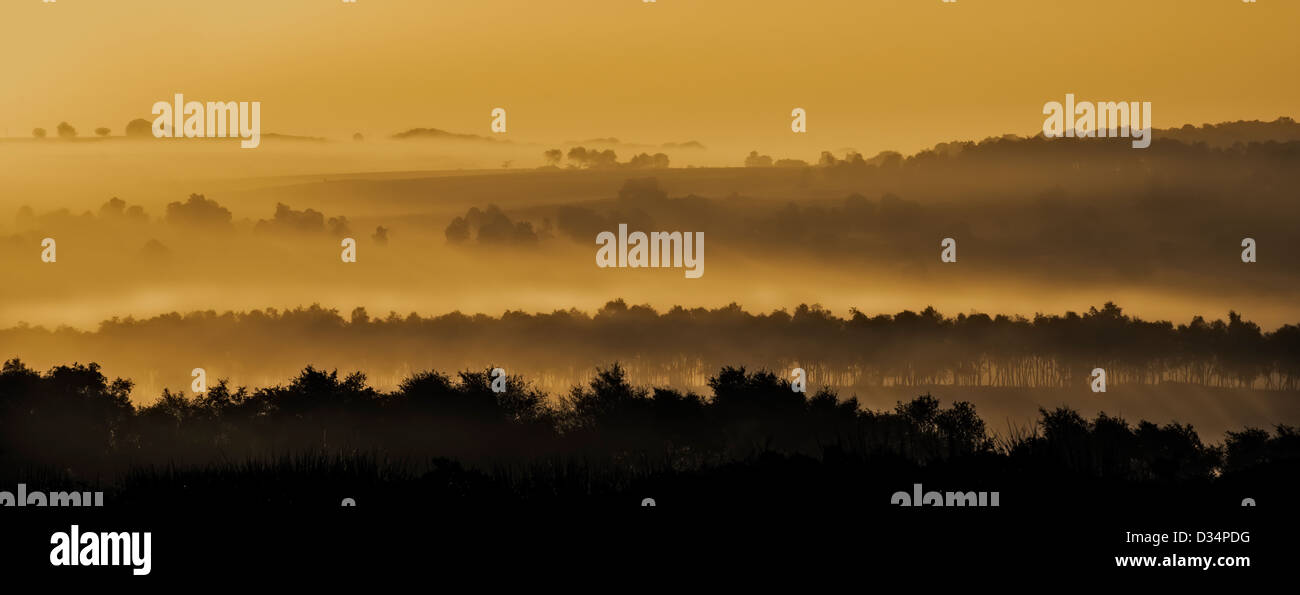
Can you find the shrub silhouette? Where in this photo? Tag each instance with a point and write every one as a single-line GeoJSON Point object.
{"type": "Point", "coordinates": [70, 416]}
{"type": "Point", "coordinates": [600, 438]}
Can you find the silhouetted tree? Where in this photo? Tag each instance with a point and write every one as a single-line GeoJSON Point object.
{"type": "Point", "coordinates": [198, 212]}
{"type": "Point", "coordinates": [553, 157]}
{"type": "Point", "coordinates": [138, 128]}
{"type": "Point", "coordinates": [756, 160]}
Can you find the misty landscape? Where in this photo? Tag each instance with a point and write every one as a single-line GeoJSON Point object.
{"type": "Point", "coordinates": [1071, 255]}
{"type": "Point", "coordinates": [900, 292]}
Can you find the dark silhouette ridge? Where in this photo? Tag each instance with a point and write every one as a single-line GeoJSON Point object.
{"type": "Point", "coordinates": [456, 439]}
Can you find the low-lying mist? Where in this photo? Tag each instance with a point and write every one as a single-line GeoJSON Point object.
{"type": "Point", "coordinates": [177, 255]}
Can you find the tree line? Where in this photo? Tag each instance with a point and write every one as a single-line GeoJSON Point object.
{"type": "Point", "coordinates": [909, 348]}
{"type": "Point", "coordinates": [74, 420]}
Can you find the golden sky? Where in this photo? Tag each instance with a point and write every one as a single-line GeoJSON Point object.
{"type": "Point", "coordinates": [872, 74]}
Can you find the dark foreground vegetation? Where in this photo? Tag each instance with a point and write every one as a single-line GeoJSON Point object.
{"type": "Point", "coordinates": [439, 439]}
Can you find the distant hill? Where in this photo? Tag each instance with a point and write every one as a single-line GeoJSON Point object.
{"type": "Point", "coordinates": [1226, 134]}
{"type": "Point", "coordinates": [1220, 136]}
{"type": "Point", "coordinates": [615, 142]}
{"type": "Point", "coordinates": [278, 136]}
{"type": "Point", "coordinates": [436, 134]}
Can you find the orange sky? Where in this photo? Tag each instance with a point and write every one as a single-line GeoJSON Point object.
{"type": "Point", "coordinates": [873, 74]}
